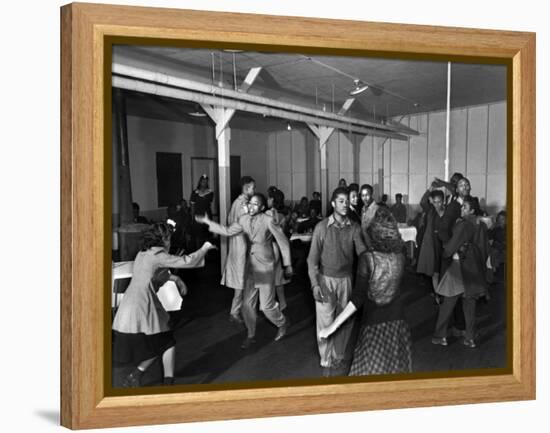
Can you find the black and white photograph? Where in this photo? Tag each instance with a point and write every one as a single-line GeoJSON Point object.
{"type": "Point", "coordinates": [283, 216]}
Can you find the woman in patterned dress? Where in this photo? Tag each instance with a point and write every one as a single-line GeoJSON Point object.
{"type": "Point", "coordinates": [384, 342]}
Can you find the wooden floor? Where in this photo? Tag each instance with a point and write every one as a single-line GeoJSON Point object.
{"type": "Point", "coordinates": [208, 345]}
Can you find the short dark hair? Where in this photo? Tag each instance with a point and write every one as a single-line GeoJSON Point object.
{"type": "Point", "coordinates": [456, 177]}
{"type": "Point", "coordinates": [367, 186]}
{"type": "Point", "coordinates": [501, 213]}
{"type": "Point", "coordinates": [271, 191]}
{"type": "Point", "coordinates": [316, 193]}
{"type": "Point", "coordinates": [245, 180]}
{"type": "Point", "coordinates": [338, 191]}
{"type": "Point", "coordinates": [474, 204]}
{"type": "Point", "coordinates": [398, 195]}
{"type": "Point", "coordinates": [156, 235]}
{"type": "Point", "coordinates": [353, 187]}
{"type": "Point", "coordinates": [261, 197]}
{"type": "Point", "coordinates": [278, 199]}
{"type": "Point", "coordinates": [437, 193]}
{"type": "Point", "coordinates": [135, 206]}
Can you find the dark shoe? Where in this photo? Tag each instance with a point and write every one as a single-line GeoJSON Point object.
{"type": "Point", "coordinates": [168, 380]}
{"type": "Point", "coordinates": [439, 341]}
{"type": "Point", "coordinates": [248, 343]}
{"type": "Point", "coordinates": [469, 343]}
{"type": "Point", "coordinates": [133, 379]}
{"type": "Point", "coordinates": [283, 329]}
{"type": "Point", "coordinates": [455, 332]}
{"type": "Point", "coordinates": [339, 368]}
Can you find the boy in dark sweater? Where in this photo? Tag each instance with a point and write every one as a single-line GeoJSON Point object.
{"type": "Point", "coordinates": [335, 242]}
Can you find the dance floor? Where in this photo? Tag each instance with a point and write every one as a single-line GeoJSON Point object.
{"type": "Point", "coordinates": [208, 345]}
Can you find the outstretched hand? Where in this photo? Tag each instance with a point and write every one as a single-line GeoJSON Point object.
{"type": "Point", "coordinates": [209, 246]}
{"type": "Point", "coordinates": [202, 219]}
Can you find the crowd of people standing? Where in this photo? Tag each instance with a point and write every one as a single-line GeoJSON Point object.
{"type": "Point", "coordinates": [355, 263]}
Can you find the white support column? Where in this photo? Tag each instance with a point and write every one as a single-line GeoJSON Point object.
{"type": "Point", "coordinates": [221, 117]}
{"type": "Point", "coordinates": [224, 185]}
{"type": "Point", "coordinates": [448, 122]}
{"type": "Point", "coordinates": [324, 178]}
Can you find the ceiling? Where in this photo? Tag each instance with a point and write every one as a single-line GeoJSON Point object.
{"type": "Point", "coordinates": [396, 87]}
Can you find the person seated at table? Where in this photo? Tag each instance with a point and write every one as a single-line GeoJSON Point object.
{"type": "Point", "coordinates": [316, 202]}
{"type": "Point", "coordinates": [308, 225]}
{"type": "Point", "coordinates": [399, 210]}
{"type": "Point", "coordinates": [137, 218]}
{"type": "Point", "coordinates": [292, 224]}
{"type": "Point", "coordinates": [141, 330]}
{"type": "Point", "coordinates": [429, 256]}
{"type": "Point", "coordinates": [303, 208]}
{"type": "Point", "coordinates": [383, 201]}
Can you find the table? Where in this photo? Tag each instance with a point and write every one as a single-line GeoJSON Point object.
{"type": "Point", "coordinates": [408, 233]}
{"type": "Point", "coordinates": [304, 237]}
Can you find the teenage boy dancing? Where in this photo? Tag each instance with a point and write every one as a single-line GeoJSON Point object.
{"type": "Point", "coordinates": [330, 266]}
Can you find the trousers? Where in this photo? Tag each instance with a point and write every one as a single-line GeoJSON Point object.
{"type": "Point", "coordinates": [446, 311]}
{"type": "Point", "coordinates": [268, 305]}
{"type": "Point", "coordinates": [333, 349]}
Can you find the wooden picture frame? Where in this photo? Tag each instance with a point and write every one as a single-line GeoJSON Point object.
{"type": "Point", "coordinates": [85, 220]}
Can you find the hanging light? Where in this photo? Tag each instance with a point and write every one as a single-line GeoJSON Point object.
{"type": "Point", "coordinates": [288, 127]}
{"type": "Point", "coordinates": [360, 87]}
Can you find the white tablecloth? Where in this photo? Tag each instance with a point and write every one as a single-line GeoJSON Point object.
{"type": "Point", "coordinates": [304, 237]}
{"type": "Point", "coordinates": [408, 233]}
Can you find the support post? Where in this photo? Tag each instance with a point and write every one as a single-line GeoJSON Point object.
{"type": "Point", "coordinates": [324, 177]}
{"type": "Point", "coordinates": [123, 159]}
{"type": "Point", "coordinates": [224, 185]}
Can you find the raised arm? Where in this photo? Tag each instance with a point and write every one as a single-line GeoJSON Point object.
{"type": "Point", "coordinates": [192, 260]}
{"type": "Point", "coordinates": [232, 230]}
{"type": "Point", "coordinates": [425, 201]}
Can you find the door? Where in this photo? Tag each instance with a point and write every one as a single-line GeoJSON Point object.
{"type": "Point", "coordinates": [169, 178]}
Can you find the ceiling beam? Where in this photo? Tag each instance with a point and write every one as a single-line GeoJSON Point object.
{"type": "Point", "coordinates": [183, 83]}
{"type": "Point", "coordinates": [156, 89]}
{"type": "Point", "coordinates": [228, 113]}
